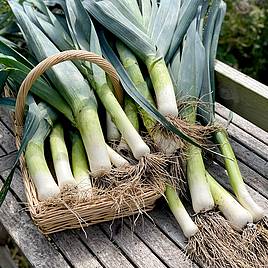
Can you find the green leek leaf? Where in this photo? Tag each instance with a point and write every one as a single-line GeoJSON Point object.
{"type": "Point", "coordinates": [8, 103]}
{"type": "Point", "coordinates": [5, 49]}
{"type": "Point", "coordinates": [191, 70]}
{"type": "Point", "coordinates": [187, 13]}
{"type": "Point", "coordinates": [111, 18]}
{"type": "Point", "coordinates": [206, 95]}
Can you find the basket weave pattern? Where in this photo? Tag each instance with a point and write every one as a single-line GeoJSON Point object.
{"type": "Point", "coordinates": [100, 207]}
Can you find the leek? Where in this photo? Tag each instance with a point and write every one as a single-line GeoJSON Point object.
{"type": "Point", "coordinates": [39, 172]}
{"type": "Point", "coordinates": [238, 216]}
{"type": "Point", "coordinates": [80, 166]}
{"type": "Point", "coordinates": [60, 158]}
{"type": "Point", "coordinates": [130, 63]}
{"type": "Point", "coordinates": [187, 225]}
{"type": "Point", "coordinates": [189, 81]}
{"type": "Point", "coordinates": [201, 196]}
{"type": "Point", "coordinates": [211, 36]}
{"type": "Point", "coordinates": [236, 179]}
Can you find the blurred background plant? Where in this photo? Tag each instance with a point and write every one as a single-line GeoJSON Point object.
{"type": "Point", "coordinates": [9, 32]}
{"type": "Point", "coordinates": [244, 37]}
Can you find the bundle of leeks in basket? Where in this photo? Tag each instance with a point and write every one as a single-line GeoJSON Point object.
{"type": "Point", "coordinates": [96, 148]}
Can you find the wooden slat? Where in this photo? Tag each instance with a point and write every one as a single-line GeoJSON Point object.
{"type": "Point", "coordinates": [242, 94]}
{"type": "Point", "coordinates": [2, 152]}
{"type": "Point", "coordinates": [7, 161]}
{"type": "Point", "coordinates": [5, 141]}
{"type": "Point", "coordinates": [160, 244]}
{"type": "Point", "coordinates": [74, 250]}
{"type": "Point", "coordinates": [108, 254]}
{"type": "Point", "coordinates": [133, 247]}
{"type": "Point", "coordinates": [39, 252]}
{"type": "Point", "coordinates": [6, 119]}
{"type": "Point", "coordinates": [243, 124]}
{"type": "Point", "coordinates": [167, 224]}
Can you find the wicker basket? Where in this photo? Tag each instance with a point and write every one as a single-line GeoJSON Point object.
{"type": "Point", "coordinates": [100, 207]}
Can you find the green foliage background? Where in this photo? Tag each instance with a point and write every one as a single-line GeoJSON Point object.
{"type": "Point", "coordinates": [244, 37]}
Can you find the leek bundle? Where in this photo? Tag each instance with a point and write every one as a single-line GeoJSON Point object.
{"type": "Point", "coordinates": [145, 32]}
{"type": "Point", "coordinates": [130, 63]}
{"type": "Point", "coordinates": [73, 88]}
{"type": "Point", "coordinates": [190, 66]}
{"type": "Point", "coordinates": [87, 39]}
{"type": "Point", "coordinates": [208, 111]}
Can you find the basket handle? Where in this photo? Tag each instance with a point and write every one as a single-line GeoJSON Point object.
{"type": "Point", "coordinates": [39, 69]}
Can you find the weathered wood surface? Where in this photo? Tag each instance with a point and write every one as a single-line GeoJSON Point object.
{"type": "Point", "coordinates": [5, 141]}
{"type": "Point", "coordinates": [105, 250]}
{"type": "Point", "coordinates": [76, 252]}
{"type": "Point", "coordinates": [133, 247]}
{"type": "Point", "coordinates": [2, 151]}
{"type": "Point", "coordinates": [155, 241]}
{"type": "Point", "coordinates": [32, 243]}
{"type": "Point", "coordinates": [242, 94]}
{"type": "Point", "coordinates": [159, 243]}
{"type": "Point", "coordinates": [242, 123]}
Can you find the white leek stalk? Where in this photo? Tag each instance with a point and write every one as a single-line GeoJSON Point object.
{"type": "Point", "coordinates": [111, 130]}
{"type": "Point", "coordinates": [201, 196]}
{"type": "Point", "coordinates": [163, 86]}
{"type": "Point", "coordinates": [79, 163]}
{"type": "Point", "coordinates": [116, 159]}
{"type": "Point", "coordinates": [238, 216]}
{"type": "Point", "coordinates": [93, 140]}
{"type": "Point", "coordinates": [60, 158]}
{"type": "Point", "coordinates": [187, 225]}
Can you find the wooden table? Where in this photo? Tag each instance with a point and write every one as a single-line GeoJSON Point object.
{"type": "Point", "coordinates": [156, 241]}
